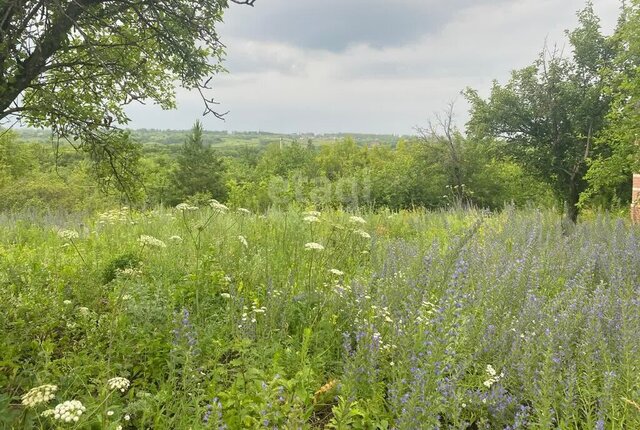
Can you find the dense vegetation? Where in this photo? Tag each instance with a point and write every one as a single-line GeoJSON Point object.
{"type": "Point", "coordinates": [228, 319]}
{"type": "Point", "coordinates": [362, 281]}
{"type": "Point", "coordinates": [263, 170]}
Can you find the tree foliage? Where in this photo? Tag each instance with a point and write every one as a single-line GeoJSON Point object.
{"type": "Point", "coordinates": [199, 169]}
{"type": "Point", "coordinates": [550, 112]}
{"type": "Point", "coordinates": [73, 65]}
{"type": "Point", "coordinates": [610, 172]}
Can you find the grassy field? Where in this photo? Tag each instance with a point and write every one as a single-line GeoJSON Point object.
{"type": "Point", "coordinates": [214, 318]}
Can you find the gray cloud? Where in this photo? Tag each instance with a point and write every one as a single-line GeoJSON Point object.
{"type": "Point", "coordinates": [335, 25]}
{"type": "Point", "coordinates": [383, 75]}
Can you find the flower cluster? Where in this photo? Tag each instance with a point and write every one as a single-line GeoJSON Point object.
{"type": "Point", "coordinates": [182, 207]}
{"type": "Point", "coordinates": [336, 272]}
{"type": "Point", "coordinates": [114, 216]}
{"type": "Point", "coordinates": [68, 234]}
{"type": "Point", "coordinates": [311, 246]}
{"type": "Point", "coordinates": [151, 241]}
{"type": "Point", "coordinates": [38, 395]}
{"type": "Point", "coordinates": [129, 272]}
{"type": "Point", "coordinates": [362, 234]}
{"type": "Point", "coordinates": [118, 383]}
{"type": "Point", "coordinates": [244, 211]}
{"type": "Point", "coordinates": [493, 376]}
{"type": "Point", "coordinates": [357, 220]}
{"type": "Point", "coordinates": [243, 241]}
{"type": "Point", "coordinates": [68, 411]}
{"type": "Point", "coordinates": [216, 205]}
{"type": "Point", "coordinates": [312, 213]}
{"type": "Point", "coordinates": [311, 219]}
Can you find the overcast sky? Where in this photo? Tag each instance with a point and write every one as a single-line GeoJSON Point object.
{"type": "Point", "coordinates": [371, 66]}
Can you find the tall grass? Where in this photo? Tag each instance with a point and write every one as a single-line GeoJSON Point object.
{"type": "Point", "coordinates": [416, 319]}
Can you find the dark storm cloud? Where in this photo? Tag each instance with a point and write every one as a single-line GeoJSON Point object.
{"type": "Point", "coordinates": [335, 25]}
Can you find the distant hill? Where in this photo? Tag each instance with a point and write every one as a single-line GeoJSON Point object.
{"type": "Point", "coordinates": [227, 140]}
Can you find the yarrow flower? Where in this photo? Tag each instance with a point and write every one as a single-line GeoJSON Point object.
{"type": "Point", "coordinates": [357, 220]}
{"type": "Point", "coordinates": [68, 234]}
{"type": "Point", "coordinates": [243, 241]}
{"type": "Point", "coordinates": [68, 411]}
{"type": "Point", "coordinates": [118, 383]}
{"type": "Point", "coordinates": [313, 246]}
{"type": "Point", "coordinates": [311, 219]}
{"type": "Point", "coordinates": [38, 395]}
{"type": "Point", "coordinates": [312, 213]}
{"type": "Point", "coordinates": [362, 234]}
{"type": "Point", "coordinates": [217, 205]}
{"type": "Point", "coordinates": [114, 216]}
{"type": "Point", "coordinates": [186, 207]}
{"type": "Point", "coordinates": [130, 272]}
{"type": "Point", "coordinates": [336, 272]}
{"type": "Point", "coordinates": [151, 241]}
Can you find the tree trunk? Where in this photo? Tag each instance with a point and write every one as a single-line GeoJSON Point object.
{"type": "Point", "coordinates": [572, 202]}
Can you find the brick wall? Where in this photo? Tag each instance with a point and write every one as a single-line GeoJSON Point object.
{"type": "Point", "coordinates": [635, 198]}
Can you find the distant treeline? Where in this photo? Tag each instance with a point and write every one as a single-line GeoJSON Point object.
{"type": "Point", "coordinates": [429, 171]}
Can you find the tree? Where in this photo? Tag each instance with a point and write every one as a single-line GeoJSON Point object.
{"type": "Point", "coordinates": [550, 112]}
{"type": "Point", "coordinates": [73, 65]}
{"type": "Point", "coordinates": [199, 170]}
{"type": "Point", "coordinates": [442, 138]}
{"type": "Point", "coordinates": [609, 174]}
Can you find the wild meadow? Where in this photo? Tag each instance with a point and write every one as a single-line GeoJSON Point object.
{"type": "Point", "coordinates": [209, 317]}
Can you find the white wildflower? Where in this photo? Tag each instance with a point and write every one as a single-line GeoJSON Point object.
{"type": "Point", "coordinates": [47, 413]}
{"type": "Point", "coordinates": [311, 219]}
{"type": "Point", "coordinates": [243, 241]}
{"type": "Point", "coordinates": [357, 220]}
{"type": "Point", "coordinates": [127, 417]}
{"type": "Point", "coordinates": [493, 376]}
{"type": "Point", "coordinates": [175, 238]}
{"type": "Point", "coordinates": [217, 205]}
{"type": "Point", "coordinates": [67, 302]}
{"type": "Point", "coordinates": [68, 411]}
{"type": "Point", "coordinates": [336, 272]}
{"type": "Point", "coordinates": [118, 383]}
{"type": "Point", "coordinates": [311, 246]}
{"type": "Point", "coordinates": [130, 272]}
{"type": "Point", "coordinates": [114, 216]}
{"type": "Point", "coordinates": [84, 311]}
{"type": "Point", "coordinates": [119, 427]}
{"type": "Point", "coordinates": [151, 241]}
{"type": "Point", "coordinates": [186, 207]}
{"type": "Point", "coordinates": [110, 413]}
{"type": "Point", "coordinates": [362, 234]}
{"type": "Point", "coordinates": [312, 213]}
{"type": "Point", "coordinates": [244, 211]}
{"type": "Point", "coordinates": [225, 295]}
{"type": "Point", "coordinates": [68, 234]}
{"type": "Point", "coordinates": [38, 395]}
